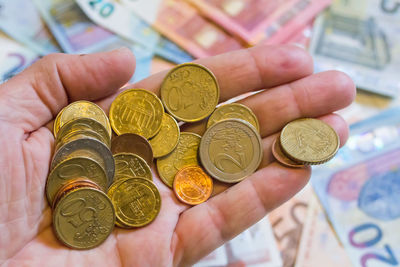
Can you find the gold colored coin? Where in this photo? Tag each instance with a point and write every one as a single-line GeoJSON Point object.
{"type": "Point", "coordinates": [90, 147]}
{"type": "Point", "coordinates": [233, 111]}
{"type": "Point", "coordinates": [110, 194]}
{"type": "Point", "coordinates": [72, 168]}
{"type": "Point", "coordinates": [72, 136]}
{"type": "Point", "coordinates": [309, 141]}
{"type": "Point", "coordinates": [83, 218]}
{"type": "Point", "coordinates": [136, 111]}
{"type": "Point", "coordinates": [192, 185]}
{"type": "Point", "coordinates": [56, 125]}
{"type": "Point", "coordinates": [230, 150]}
{"type": "Point", "coordinates": [128, 165]}
{"type": "Point", "coordinates": [167, 138]}
{"type": "Point", "coordinates": [281, 157]}
{"type": "Point", "coordinates": [93, 127]}
{"type": "Point", "coordinates": [190, 92]}
{"type": "Point", "coordinates": [137, 202]}
{"type": "Point", "coordinates": [185, 154]}
{"type": "Point", "coordinates": [83, 109]}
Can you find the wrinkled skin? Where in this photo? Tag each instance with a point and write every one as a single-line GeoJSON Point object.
{"type": "Point", "coordinates": [181, 235]}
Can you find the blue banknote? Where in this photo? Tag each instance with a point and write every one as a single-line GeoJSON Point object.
{"type": "Point", "coordinates": [77, 34]}
{"type": "Point", "coordinates": [26, 27]}
{"type": "Point", "coordinates": [360, 191]}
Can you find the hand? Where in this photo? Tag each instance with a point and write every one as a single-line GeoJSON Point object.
{"type": "Point", "coordinates": [180, 235]}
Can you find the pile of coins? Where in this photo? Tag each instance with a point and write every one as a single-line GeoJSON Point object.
{"type": "Point", "coordinates": [81, 171]}
{"type": "Point", "coordinates": [305, 142]}
{"type": "Point", "coordinates": [95, 183]}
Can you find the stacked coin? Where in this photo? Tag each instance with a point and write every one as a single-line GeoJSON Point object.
{"type": "Point", "coordinates": [81, 171]}
{"type": "Point", "coordinates": [305, 142]}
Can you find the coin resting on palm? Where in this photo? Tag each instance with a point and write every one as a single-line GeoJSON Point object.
{"type": "Point", "coordinates": [87, 125]}
{"type": "Point", "coordinates": [137, 201]}
{"type": "Point", "coordinates": [83, 218]}
{"type": "Point", "coordinates": [309, 141]}
{"type": "Point", "coordinates": [230, 150]}
{"type": "Point", "coordinates": [167, 138]}
{"type": "Point", "coordinates": [233, 111]}
{"type": "Point", "coordinates": [133, 143]}
{"type": "Point", "coordinates": [192, 185]}
{"type": "Point", "coordinates": [281, 157]}
{"type": "Point", "coordinates": [82, 109]}
{"type": "Point", "coordinates": [136, 111]}
{"type": "Point", "coordinates": [190, 92]}
{"type": "Point", "coordinates": [72, 168]}
{"type": "Point", "coordinates": [185, 154]}
{"type": "Point", "coordinates": [129, 165]}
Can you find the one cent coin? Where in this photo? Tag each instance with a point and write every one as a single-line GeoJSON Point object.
{"type": "Point", "coordinates": [281, 157]}
{"type": "Point", "coordinates": [192, 185]}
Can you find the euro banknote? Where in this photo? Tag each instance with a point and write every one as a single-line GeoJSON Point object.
{"type": "Point", "coordinates": [116, 18]}
{"type": "Point", "coordinates": [319, 246]}
{"type": "Point", "coordinates": [360, 191]}
{"type": "Point", "coordinates": [181, 23]}
{"type": "Point", "coordinates": [361, 38]}
{"type": "Point", "coordinates": [255, 21]}
{"type": "Point", "coordinates": [254, 247]}
{"type": "Point", "coordinates": [26, 27]}
{"type": "Point", "coordinates": [76, 34]}
{"type": "Point", "coordinates": [13, 58]}
{"type": "Point", "coordinates": [287, 224]}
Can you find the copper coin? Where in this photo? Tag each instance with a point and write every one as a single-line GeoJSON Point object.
{"type": "Point", "coordinates": [71, 185]}
{"type": "Point", "coordinates": [281, 157]}
{"type": "Point", "coordinates": [133, 143]}
{"type": "Point", "coordinates": [192, 185]}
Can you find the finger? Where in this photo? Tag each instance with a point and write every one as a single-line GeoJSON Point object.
{"type": "Point", "coordinates": [207, 226]}
{"type": "Point", "coordinates": [33, 97]}
{"type": "Point", "coordinates": [228, 214]}
{"type": "Point", "coordinates": [249, 69]}
{"type": "Point", "coordinates": [311, 96]}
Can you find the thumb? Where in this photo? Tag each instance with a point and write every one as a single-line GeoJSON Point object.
{"type": "Point", "coordinates": [32, 98]}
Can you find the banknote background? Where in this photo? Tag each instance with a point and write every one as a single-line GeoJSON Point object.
{"type": "Point", "coordinates": [349, 214]}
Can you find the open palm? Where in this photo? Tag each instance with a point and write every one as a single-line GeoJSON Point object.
{"type": "Point", "coordinates": [180, 235]}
